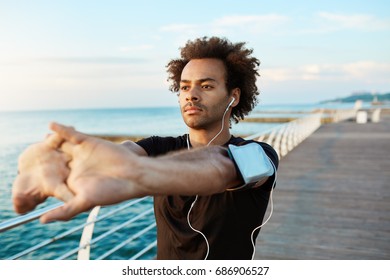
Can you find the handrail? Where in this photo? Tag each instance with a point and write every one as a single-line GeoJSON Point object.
{"type": "Point", "coordinates": [123, 243]}
{"type": "Point", "coordinates": [143, 251]}
{"type": "Point", "coordinates": [104, 235]}
{"type": "Point", "coordinates": [26, 218]}
{"type": "Point", "coordinates": [70, 231]}
{"type": "Point", "coordinates": [285, 137]}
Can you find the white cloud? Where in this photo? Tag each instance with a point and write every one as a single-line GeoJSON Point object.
{"type": "Point", "coordinates": [179, 27]}
{"type": "Point", "coordinates": [249, 20]}
{"type": "Point", "coordinates": [71, 82]}
{"type": "Point", "coordinates": [278, 74]}
{"type": "Point", "coordinates": [136, 48]}
{"type": "Point", "coordinates": [369, 71]}
{"type": "Point", "coordinates": [362, 22]}
{"type": "Point", "coordinates": [230, 24]}
{"type": "Point", "coordinates": [109, 60]}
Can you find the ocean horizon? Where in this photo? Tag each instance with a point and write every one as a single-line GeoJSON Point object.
{"type": "Point", "coordinates": [22, 128]}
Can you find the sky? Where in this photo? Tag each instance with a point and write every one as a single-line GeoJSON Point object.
{"type": "Point", "coordinates": [109, 54]}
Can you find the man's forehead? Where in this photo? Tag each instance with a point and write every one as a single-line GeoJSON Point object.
{"type": "Point", "coordinates": [209, 69]}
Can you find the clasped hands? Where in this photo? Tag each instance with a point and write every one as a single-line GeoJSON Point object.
{"type": "Point", "coordinates": [81, 170]}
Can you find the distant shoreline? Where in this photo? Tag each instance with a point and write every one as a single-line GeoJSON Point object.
{"type": "Point", "coordinates": [135, 138]}
{"type": "Point", "coordinates": [119, 138]}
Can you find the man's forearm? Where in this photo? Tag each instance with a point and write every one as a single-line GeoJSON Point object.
{"type": "Point", "coordinates": [201, 171]}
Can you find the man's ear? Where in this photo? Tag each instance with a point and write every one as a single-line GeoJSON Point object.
{"type": "Point", "coordinates": [236, 93]}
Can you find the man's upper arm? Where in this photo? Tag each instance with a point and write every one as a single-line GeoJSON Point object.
{"type": "Point", "coordinates": [268, 180]}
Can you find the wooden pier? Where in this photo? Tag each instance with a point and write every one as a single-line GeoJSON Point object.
{"type": "Point", "coordinates": [332, 197]}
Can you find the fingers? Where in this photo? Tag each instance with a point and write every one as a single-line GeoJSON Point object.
{"type": "Point", "coordinates": [62, 192]}
{"type": "Point", "coordinates": [68, 149]}
{"type": "Point", "coordinates": [65, 212]}
{"type": "Point", "coordinates": [68, 133]}
{"type": "Point", "coordinates": [25, 200]}
{"type": "Point", "coordinates": [66, 157]}
{"type": "Point", "coordinates": [54, 141]}
{"type": "Point", "coordinates": [22, 204]}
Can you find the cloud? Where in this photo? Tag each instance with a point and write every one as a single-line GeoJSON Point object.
{"type": "Point", "coordinates": [136, 48]}
{"type": "Point", "coordinates": [362, 22]}
{"type": "Point", "coordinates": [256, 24]}
{"type": "Point", "coordinates": [179, 27]}
{"type": "Point", "coordinates": [94, 60]}
{"type": "Point", "coordinates": [278, 74]}
{"type": "Point", "coordinates": [369, 71]}
{"type": "Point", "coordinates": [228, 24]}
{"type": "Point", "coordinates": [249, 20]}
{"type": "Point", "coordinates": [79, 75]}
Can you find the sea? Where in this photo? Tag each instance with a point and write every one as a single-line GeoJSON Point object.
{"type": "Point", "coordinates": [19, 129]}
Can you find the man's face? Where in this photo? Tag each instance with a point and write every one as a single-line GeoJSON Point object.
{"type": "Point", "coordinates": [203, 95]}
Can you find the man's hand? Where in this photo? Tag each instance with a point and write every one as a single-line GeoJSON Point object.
{"type": "Point", "coordinates": [42, 173]}
{"type": "Point", "coordinates": [99, 173]}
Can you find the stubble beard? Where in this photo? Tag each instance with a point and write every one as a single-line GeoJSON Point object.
{"type": "Point", "coordinates": [204, 122]}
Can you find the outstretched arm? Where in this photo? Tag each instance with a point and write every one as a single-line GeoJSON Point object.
{"type": "Point", "coordinates": [202, 171]}
{"type": "Point", "coordinates": [104, 173]}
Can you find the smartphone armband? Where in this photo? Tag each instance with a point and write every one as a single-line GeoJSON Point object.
{"type": "Point", "coordinates": [251, 163]}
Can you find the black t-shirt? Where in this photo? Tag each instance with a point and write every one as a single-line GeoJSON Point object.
{"type": "Point", "coordinates": [227, 219]}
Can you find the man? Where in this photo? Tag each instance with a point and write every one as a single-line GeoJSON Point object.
{"type": "Point", "coordinates": [202, 205]}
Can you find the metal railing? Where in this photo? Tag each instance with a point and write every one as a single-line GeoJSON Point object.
{"type": "Point", "coordinates": [343, 114]}
{"type": "Point", "coordinates": [283, 138]}
{"type": "Point", "coordinates": [86, 240]}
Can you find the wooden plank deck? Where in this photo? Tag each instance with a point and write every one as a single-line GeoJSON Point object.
{"type": "Point", "coordinates": [332, 198]}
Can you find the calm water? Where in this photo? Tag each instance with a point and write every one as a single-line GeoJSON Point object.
{"type": "Point", "coordinates": [20, 129]}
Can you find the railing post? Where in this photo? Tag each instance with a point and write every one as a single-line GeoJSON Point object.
{"type": "Point", "coordinates": [85, 241]}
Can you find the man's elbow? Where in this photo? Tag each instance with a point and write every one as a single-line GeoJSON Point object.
{"type": "Point", "coordinates": [134, 147]}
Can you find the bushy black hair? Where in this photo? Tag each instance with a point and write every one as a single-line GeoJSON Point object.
{"type": "Point", "coordinates": [241, 69]}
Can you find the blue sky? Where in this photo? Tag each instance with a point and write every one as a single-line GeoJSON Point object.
{"type": "Point", "coordinates": [94, 54]}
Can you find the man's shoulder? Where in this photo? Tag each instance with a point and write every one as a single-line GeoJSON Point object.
{"type": "Point", "coordinates": [157, 145]}
{"type": "Point", "coordinates": [238, 141]}
{"type": "Point", "coordinates": [163, 138]}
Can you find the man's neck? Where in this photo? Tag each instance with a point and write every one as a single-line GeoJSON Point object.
{"type": "Point", "coordinates": [202, 138]}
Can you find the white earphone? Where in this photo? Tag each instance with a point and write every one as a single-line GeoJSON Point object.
{"type": "Point", "coordinates": [230, 104]}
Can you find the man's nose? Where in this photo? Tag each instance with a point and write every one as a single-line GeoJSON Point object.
{"type": "Point", "coordinates": [192, 95]}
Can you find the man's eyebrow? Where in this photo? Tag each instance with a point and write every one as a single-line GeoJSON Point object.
{"type": "Point", "coordinates": [200, 80]}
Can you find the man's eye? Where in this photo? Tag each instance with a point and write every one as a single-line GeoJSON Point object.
{"type": "Point", "coordinates": [207, 86]}
{"type": "Point", "coordinates": [184, 88]}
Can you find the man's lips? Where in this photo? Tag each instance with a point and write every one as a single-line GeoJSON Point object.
{"type": "Point", "coordinates": [192, 109]}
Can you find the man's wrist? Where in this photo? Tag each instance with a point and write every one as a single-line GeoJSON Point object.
{"type": "Point", "coordinates": [133, 172]}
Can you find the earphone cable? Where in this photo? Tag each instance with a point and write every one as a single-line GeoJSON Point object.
{"type": "Point", "coordinates": [196, 197]}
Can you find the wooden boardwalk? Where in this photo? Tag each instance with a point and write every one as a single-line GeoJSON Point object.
{"type": "Point", "coordinates": [332, 198]}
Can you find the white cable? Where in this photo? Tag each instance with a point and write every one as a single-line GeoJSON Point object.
{"type": "Point", "coordinates": [271, 210]}
{"type": "Point", "coordinates": [198, 231]}
{"type": "Point", "coordinates": [196, 197]}
{"type": "Point", "coordinates": [189, 211]}
{"type": "Point", "coordinates": [223, 124]}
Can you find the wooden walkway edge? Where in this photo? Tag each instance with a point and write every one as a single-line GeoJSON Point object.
{"type": "Point", "coordinates": [332, 198]}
